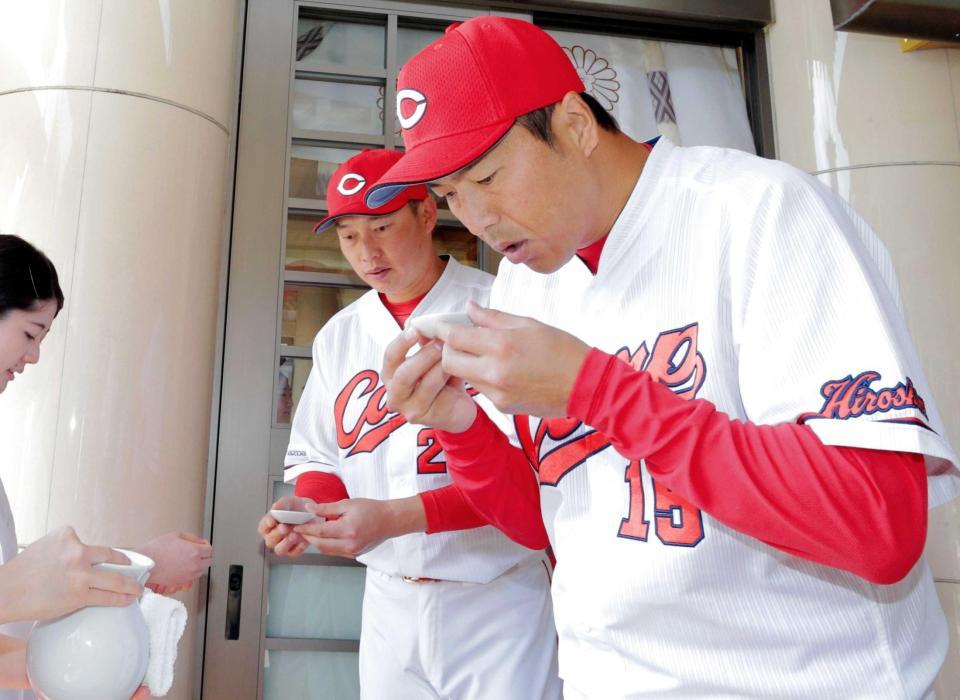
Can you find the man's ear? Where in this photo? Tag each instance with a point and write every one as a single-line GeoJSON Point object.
{"type": "Point", "coordinates": [574, 125]}
{"type": "Point", "coordinates": [428, 213]}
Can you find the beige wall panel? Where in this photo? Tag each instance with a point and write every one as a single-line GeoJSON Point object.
{"type": "Point", "coordinates": [849, 99]}
{"type": "Point", "coordinates": [134, 417]}
{"type": "Point", "coordinates": [178, 50]}
{"type": "Point", "coordinates": [42, 156]}
{"type": "Point", "coordinates": [943, 542]}
{"type": "Point", "coordinates": [953, 61]}
{"type": "Point", "coordinates": [53, 42]}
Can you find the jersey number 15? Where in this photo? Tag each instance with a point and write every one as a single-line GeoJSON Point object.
{"type": "Point", "coordinates": [676, 522]}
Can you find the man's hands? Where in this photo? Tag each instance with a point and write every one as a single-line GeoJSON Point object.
{"type": "Point", "coordinates": [55, 576]}
{"type": "Point", "coordinates": [345, 528]}
{"type": "Point", "coordinates": [420, 389]}
{"type": "Point", "coordinates": [523, 366]}
{"type": "Point", "coordinates": [180, 559]}
{"type": "Point", "coordinates": [280, 537]}
{"type": "Point", "coordinates": [361, 524]}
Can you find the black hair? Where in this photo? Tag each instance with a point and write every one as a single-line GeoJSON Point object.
{"type": "Point", "coordinates": [27, 277]}
{"type": "Point", "coordinates": [537, 122]}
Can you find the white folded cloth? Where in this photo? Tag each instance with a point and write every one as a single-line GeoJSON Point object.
{"type": "Point", "coordinates": [166, 619]}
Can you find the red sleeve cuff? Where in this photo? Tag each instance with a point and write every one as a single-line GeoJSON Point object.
{"type": "Point", "coordinates": [447, 510]}
{"type": "Point", "coordinates": [593, 372]}
{"type": "Point", "coordinates": [321, 487]}
{"type": "Point", "coordinates": [468, 445]}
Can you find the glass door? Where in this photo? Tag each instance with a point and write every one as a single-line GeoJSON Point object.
{"type": "Point", "coordinates": [339, 104]}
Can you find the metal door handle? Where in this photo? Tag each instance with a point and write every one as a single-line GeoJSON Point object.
{"type": "Point", "coordinates": [234, 598]}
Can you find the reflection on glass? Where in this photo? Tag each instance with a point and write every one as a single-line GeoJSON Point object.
{"type": "Point", "coordinates": [456, 242]}
{"type": "Point", "coordinates": [314, 252]}
{"type": "Point", "coordinates": [292, 376]}
{"type": "Point", "coordinates": [412, 40]}
{"type": "Point", "coordinates": [307, 308]}
{"type": "Point", "coordinates": [315, 602]}
{"type": "Point", "coordinates": [326, 106]}
{"type": "Point", "coordinates": [311, 168]}
{"type": "Point", "coordinates": [322, 43]}
{"type": "Point", "coordinates": [311, 674]}
{"type": "Point", "coordinates": [281, 489]}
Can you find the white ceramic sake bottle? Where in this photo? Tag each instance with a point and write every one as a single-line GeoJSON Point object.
{"type": "Point", "coordinates": [95, 653]}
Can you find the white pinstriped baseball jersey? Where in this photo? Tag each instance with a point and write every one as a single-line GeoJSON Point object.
{"type": "Point", "coordinates": [342, 427]}
{"type": "Point", "coordinates": [745, 282]}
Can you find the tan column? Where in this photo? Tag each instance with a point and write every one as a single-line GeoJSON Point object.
{"type": "Point", "coordinates": [115, 122]}
{"type": "Point", "coordinates": [882, 128]}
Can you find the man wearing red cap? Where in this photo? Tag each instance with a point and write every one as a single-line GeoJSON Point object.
{"type": "Point", "coordinates": [452, 608]}
{"type": "Point", "coordinates": [730, 432]}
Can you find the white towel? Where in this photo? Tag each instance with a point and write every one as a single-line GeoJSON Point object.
{"type": "Point", "coordinates": [166, 618]}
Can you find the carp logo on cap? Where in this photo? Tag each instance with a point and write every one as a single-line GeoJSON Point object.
{"type": "Point", "coordinates": [345, 188]}
{"type": "Point", "coordinates": [419, 101]}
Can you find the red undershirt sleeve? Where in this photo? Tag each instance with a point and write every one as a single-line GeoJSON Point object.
{"type": "Point", "coordinates": [321, 487]}
{"type": "Point", "coordinates": [497, 480]}
{"type": "Point", "coordinates": [447, 510]}
{"type": "Point", "coordinates": [864, 511]}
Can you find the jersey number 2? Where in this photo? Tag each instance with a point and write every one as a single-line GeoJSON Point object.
{"type": "Point", "coordinates": [677, 523]}
{"type": "Point", "coordinates": [425, 460]}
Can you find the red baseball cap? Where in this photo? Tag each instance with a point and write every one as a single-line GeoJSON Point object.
{"type": "Point", "coordinates": [459, 96]}
{"type": "Point", "coordinates": [351, 181]}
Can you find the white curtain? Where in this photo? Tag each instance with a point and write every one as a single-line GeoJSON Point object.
{"type": "Point", "coordinates": [691, 94]}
